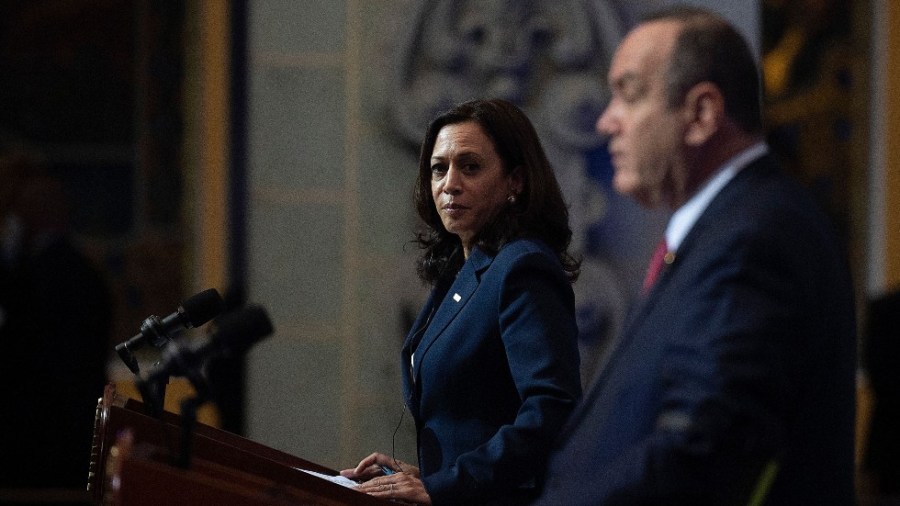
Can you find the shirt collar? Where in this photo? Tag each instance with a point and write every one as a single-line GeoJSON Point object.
{"type": "Point", "coordinates": [684, 218]}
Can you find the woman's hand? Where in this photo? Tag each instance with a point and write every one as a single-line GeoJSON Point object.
{"type": "Point", "coordinates": [402, 484]}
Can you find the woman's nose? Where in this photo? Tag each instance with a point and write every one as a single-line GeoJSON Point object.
{"type": "Point", "coordinates": [452, 181]}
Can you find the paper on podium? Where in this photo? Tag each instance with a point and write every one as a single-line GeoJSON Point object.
{"type": "Point", "coordinates": [340, 480]}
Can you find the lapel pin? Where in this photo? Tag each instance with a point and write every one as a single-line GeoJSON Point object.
{"type": "Point", "coordinates": [456, 297]}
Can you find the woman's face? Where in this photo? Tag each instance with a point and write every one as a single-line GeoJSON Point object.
{"type": "Point", "coordinates": [467, 181]}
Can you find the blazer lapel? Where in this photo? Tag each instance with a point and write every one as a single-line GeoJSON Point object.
{"type": "Point", "coordinates": [459, 293]}
{"type": "Point", "coordinates": [739, 185]}
{"type": "Point", "coordinates": [635, 315]}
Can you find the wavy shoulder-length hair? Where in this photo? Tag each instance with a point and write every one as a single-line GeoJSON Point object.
{"type": "Point", "coordinates": [539, 211]}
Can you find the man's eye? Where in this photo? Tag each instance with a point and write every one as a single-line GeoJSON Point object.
{"type": "Point", "coordinates": [631, 94]}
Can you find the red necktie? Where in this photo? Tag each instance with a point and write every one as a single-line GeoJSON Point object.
{"type": "Point", "coordinates": [656, 264]}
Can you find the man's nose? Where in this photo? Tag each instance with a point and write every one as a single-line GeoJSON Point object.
{"type": "Point", "coordinates": [606, 123]}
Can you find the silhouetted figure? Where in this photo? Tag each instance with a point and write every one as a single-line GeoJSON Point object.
{"type": "Point", "coordinates": [54, 333]}
{"type": "Point", "coordinates": [882, 355]}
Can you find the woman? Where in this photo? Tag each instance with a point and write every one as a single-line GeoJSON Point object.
{"type": "Point", "coordinates": [491, 366]}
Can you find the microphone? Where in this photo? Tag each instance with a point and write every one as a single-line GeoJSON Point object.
{"type": "Point", "coordinates": [238, 332]}
{"type": "Point", "coordinates": [193, 312]}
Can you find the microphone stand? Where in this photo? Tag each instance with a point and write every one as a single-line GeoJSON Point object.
{"type": "Point", "coordinates": [230, 339]}
{"type": "Point", "coordinates": [153, 387]}
{"type": "Point", "coordinates": [189, 408]}
{"type": "Point", "coordinates": [153, 391]}
{"type": "Point", "coordinates": [154, 395]}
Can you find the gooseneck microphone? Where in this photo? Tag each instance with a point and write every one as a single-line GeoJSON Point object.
{"type": "Point", "coordinates": [193, 312]}
{"type": "Point", "coordinates": [237, 332]}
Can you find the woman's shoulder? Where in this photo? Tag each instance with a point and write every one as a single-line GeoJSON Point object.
{"type": "Point", "coordinates": [524, 246]}
{"type": "Point", "coordinates": [516, 254]}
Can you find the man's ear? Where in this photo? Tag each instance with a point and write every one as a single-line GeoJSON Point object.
{"type": "Point", "coordinates": [704, 108]}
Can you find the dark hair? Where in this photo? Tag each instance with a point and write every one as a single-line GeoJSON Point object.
{"type": "Point", "coordinates": [539, 211]}
{"type": "Point", "coordinates": [708, 48]}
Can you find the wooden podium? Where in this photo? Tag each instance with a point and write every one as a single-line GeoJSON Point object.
{"type": "Point", "coordinates": [133, 462]}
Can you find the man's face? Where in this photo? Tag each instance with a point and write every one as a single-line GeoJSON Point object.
{"type": "Point", "coordinates": [645, 134]}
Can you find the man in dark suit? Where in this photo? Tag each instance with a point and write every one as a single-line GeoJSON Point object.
{"type": "Point", "coordinates": [733, 379]}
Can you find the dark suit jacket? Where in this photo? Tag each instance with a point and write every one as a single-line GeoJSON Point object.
{"type": "Point", "coordinates": [495, 377]}
{"type": "Point", "coordinates": [882, 361]}
{"type": "Point", "coordinates": [55, 337]}
{"type": "Point", "coordinates": [741, 355]}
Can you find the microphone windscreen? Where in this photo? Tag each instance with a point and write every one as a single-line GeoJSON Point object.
{"type": "Point", "coordinates": [239, 330]}
{"type": "Point", "coordinates": [202, 307]}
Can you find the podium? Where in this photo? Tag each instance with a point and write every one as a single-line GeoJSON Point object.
{"type": "Point", "coordinates": [134, 462]}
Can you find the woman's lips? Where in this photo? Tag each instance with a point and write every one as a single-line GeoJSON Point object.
{"type": "Point", "coordinates": [454, 209]}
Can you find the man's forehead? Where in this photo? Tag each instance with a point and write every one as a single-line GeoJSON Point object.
{"type": "Point", "coordinates": [644, 49]}
{"type": "Point", "coordinates": [655, 37]}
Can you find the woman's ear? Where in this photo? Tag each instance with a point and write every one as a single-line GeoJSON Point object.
{"type": "Point", "coordinates": [517, 180]}
{"type": "Point", "coordinates": [704, 108]}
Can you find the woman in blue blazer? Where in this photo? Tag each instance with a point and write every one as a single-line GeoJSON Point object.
{"type": "Point", "coordinates": [490, 366]}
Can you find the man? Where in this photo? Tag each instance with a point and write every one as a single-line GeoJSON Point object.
{"type": "Point", "coordinates": [54, 330]}
{"type": "Point", "coordinates": [733, 380]}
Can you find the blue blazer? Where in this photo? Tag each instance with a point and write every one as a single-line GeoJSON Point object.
{"type": "Point", "coordinates": [495, 375]}
{"type": "Point", "coordinates": [736, 372]}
